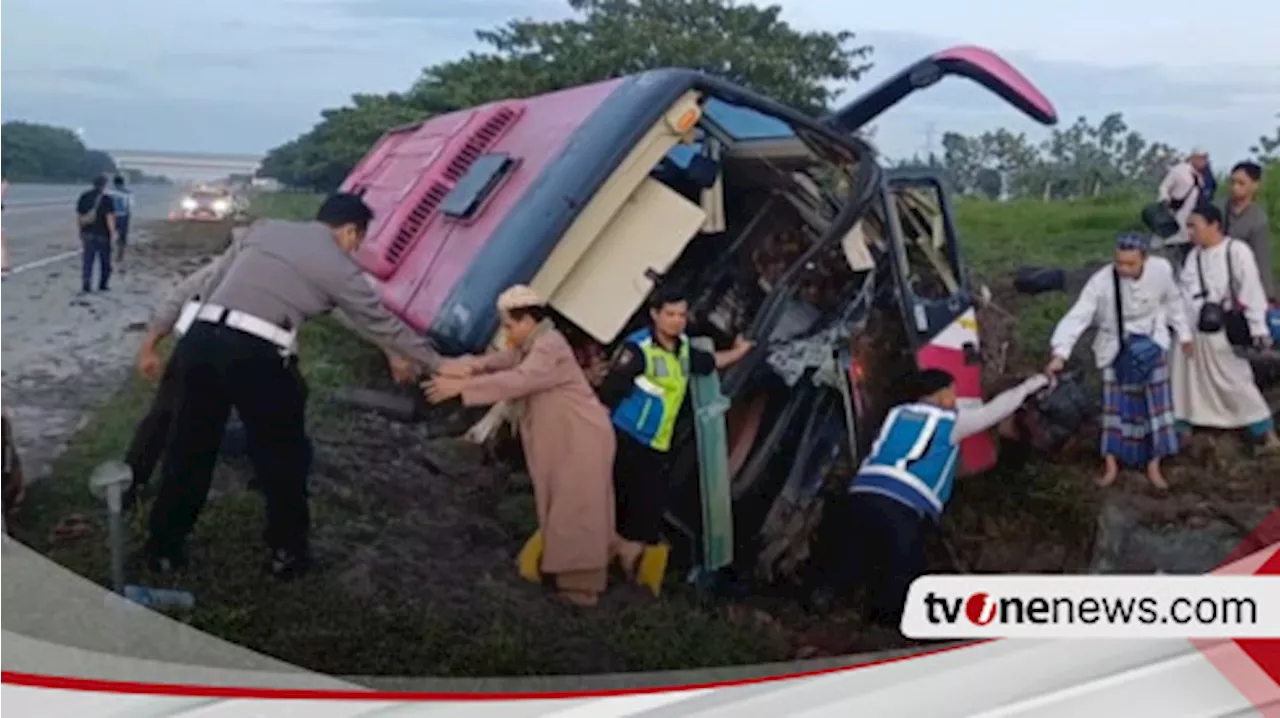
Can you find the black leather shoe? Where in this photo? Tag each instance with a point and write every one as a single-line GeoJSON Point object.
{"type": "Point", "coordinates": [286, 565]}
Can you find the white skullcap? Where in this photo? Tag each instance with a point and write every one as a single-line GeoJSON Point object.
{"type": "Point", "coordinates": [1198, 152]}
{"type": "Point", "coordinates": [519, 297]}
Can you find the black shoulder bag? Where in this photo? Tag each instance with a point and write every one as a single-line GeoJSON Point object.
{"type": "Point", "coordinates": [1161, 217]}
{"type": "Point", "coordinates": [1228, 315]}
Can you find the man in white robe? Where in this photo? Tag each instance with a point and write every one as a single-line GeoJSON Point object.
{"type": "Point", "coordinates": [1138, 425]}
{"type": "Point", "coordinates": [1215, 387]}
{"type": "Point", "coordinates": [1181, 190]}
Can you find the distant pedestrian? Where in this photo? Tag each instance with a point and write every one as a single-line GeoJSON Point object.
{"type": "Point", "coordinates": [1244, 219]}
{"type": "Point", "coordinates": [4, 246]}
{"type": "Point", "coordinates": [123, 201]}
{"type": "Point", "coordinates": [96, 222]}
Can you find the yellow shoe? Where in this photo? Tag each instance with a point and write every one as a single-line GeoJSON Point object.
{"type": "Point", "coordinates": [530, 558]}
{"type": "Point", "coordinates": [653, 567]}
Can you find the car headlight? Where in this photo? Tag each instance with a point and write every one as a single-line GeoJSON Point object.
{"type": "Point", "coordinates": [221, 205]}
{"type": "Point", "coordinates": [189, 203]}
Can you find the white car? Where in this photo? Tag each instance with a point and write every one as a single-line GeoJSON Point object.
{"type": "Point", "coordinates": [204, 205]}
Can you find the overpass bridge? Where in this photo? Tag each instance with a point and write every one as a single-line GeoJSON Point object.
{"type": "Point", "coordinates": [185, 165]}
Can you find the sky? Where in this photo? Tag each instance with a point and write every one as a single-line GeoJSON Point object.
{"type": "Point", "coordinates": [241, 76]}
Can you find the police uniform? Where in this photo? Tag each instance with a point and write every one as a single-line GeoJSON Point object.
{"type": "Point", "coordinates": [647, 388]}
{"type": "Point", "coordinates": [239, 351]}
{"type": "Point", "coordinates": [904, 484]}
{"type": "Point", "coordinates": [149, 437]}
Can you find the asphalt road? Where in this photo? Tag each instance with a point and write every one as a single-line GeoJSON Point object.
{"type": "Point", "coordinates": [40, 226]}
{"type": "Point", "coordinates": [64, 353]}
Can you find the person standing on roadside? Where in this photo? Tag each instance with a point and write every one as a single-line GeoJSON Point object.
{"type": "Point", "coordinates": [1244, 219]}
{"type": "Point", "coordinates": [123, 201]}
{"type": "Point", "coordinates": [4, 246]}
{"type": "Point", "coordinates": [96, 223]}
{"type": "Point", "coordinates": [1133, 302]}
{"type": "Point", "coordinates": [240, 351]}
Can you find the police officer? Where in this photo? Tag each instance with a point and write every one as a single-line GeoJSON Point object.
{"type": "Point", "coordinates": [239, 351]}
{"type": "Point", "coordinates": [646, 388]}
{"type": "Point", "coordinates": [907, 479]}
{"type": "Point", "coordinates": [149, 437]}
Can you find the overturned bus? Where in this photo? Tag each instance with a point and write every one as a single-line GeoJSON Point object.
{"type": "Point", "coordinates": [779, 226]}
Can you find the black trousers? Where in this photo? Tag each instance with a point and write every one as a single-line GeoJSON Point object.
{"type": "Point", "coordinates": [152, 432]}
{"type": "Point", "coordinates": [889, 552]}
{"type": "Point", "coordinates": [640, 479]}
{"type": "Point", "coordinates": [217, 368]}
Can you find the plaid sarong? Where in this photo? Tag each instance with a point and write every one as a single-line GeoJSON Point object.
{"type": "Point", "coordinates": [1138, 422]}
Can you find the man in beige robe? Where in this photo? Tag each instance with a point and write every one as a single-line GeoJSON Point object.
{"type": "Point", "coordinates": [567, 438]}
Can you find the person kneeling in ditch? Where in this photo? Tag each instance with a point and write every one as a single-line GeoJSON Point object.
{"type": "Point", "coordinates": [1132, 302]}
{"type": "Point", "coordinates": [908, 478]}
{"type": "Point", "coordinates": [647, 387]}
{"type": "Point", "coordinates": [567, 438]}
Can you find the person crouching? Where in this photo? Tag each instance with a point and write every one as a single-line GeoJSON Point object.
{"type": "Point", "coordinates": [1132, 302]}
{"type": "Point", "coordinates": [908, 477]}
{"type": "Point", "coordinates": [567, 438]}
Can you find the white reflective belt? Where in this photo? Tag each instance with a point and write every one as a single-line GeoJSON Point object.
{"type": "Point", "coordinates": [186, 317]}
{"type": "Point", "coordinates": [644, 384]}
{"type": "Point", "coordinates": [249, 324]}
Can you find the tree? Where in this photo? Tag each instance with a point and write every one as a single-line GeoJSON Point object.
{"type": "Point", "coordinates": [322, 158]}
{"type": "Point", "coordinates": [1083, 160]}
{"type": "Point", "coordinates": [34, 152]}
{"type": "Point", "coordinates": [744, 43]}
{"type": "Point", "coordinates": [1268, 147]}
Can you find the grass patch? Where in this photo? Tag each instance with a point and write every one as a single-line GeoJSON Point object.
{"type": "Point", "coordinates": [285, 205]}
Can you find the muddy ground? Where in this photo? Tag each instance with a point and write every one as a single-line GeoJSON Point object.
{"type": "Point", "coordinates": [416, 531]}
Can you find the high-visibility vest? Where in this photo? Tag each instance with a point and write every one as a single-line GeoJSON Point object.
{"type": "Point", "coordinates": [913, 460]}
{"type": "Point", "coordinates": [649, 412]}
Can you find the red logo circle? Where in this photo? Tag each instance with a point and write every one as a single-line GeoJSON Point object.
{"type": "Point", "coordinates": [980, 609]}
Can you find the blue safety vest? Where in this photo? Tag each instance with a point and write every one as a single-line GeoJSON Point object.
{"type": "Point", "coordinates": [649, 412]}
{"type": "Point", "coordinates": [913, 460]}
